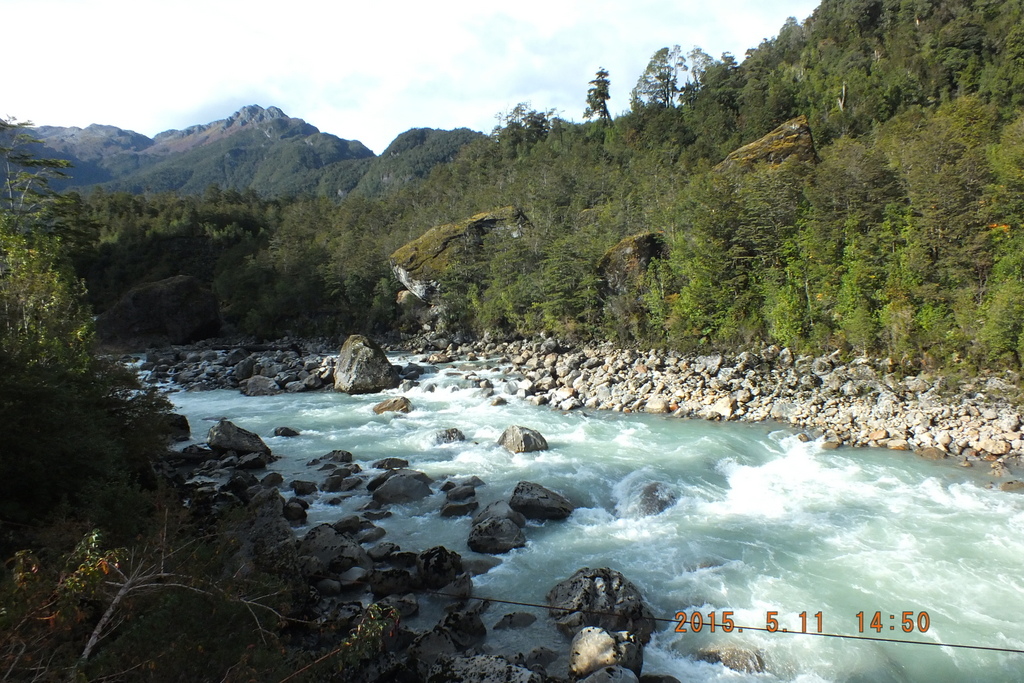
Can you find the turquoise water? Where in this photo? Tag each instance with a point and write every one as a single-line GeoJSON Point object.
{"type": "Point", "coordinates": [762, 523]}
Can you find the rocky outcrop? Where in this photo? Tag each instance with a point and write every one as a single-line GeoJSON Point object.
{"type": "Point", "coordinates": [601, 597]}
{"type": "Point", "coordinates": [790, 140]}
{"type": "Point", "coordinates": [227, 436]}
{"type": "Point", "coordinates": [622, 266]}
{"type": "Point", "coordinates": [178, 310]}
{"type": "Point", "coordinates": [363, 367]}
{"type": "Point", "coordinates": [522, 440]}
{"type": "Point", "coordinates": [420, 264]}
{"type": "Point", "coordinates": [264, 539]}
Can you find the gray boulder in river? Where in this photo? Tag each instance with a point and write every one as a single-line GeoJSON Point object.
{"type": "Point", "coordinates": [227, 436]}
{"type": "Point", "coordinates": [522, 440]}
{"type": "Point", "coordinates": [363, 367]}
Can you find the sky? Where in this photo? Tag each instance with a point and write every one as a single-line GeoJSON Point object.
{"type": "Point", "coordinates": [366, 70]}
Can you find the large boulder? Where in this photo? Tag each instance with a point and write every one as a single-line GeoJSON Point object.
{"type": "Point", "coordinates": [522, 440]}
{"type": "Point", "coordinates": [622, 267]}
{"type": "Point", "coordinates": [536, 502]}
{"type": "Point", "coordinates": [333, 550]}
{"type": "Point", "coordinates": [601, 597]}
{"type": "Point", "coordinates": [178, 310]}
{"type": "Point", "coordinates": [790, 140]}
{"type": "Point", "coordinates": [363, 367]}
{"type": "Point", "coordinates": [227, 436]}
{"type": "Point", "coordinates": [420, 264]}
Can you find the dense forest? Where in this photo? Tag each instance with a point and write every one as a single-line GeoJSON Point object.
{"type": "Point", "coordinates": [902, 236]}
{"type": "Point", "coordinates": [902, 240]}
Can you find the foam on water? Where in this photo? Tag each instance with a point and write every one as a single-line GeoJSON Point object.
{"type": "Point", "coordinates": [761, 522]}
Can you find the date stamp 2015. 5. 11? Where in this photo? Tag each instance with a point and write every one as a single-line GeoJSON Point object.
{"type": "Point", "coordinates": [804, 622]}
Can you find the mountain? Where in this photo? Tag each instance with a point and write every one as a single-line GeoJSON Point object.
{"type": "Point", "coordinates": [258, 149]}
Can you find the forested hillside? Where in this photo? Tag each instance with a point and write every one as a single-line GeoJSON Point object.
{"type": "Point", "coordinates": [901, 237]}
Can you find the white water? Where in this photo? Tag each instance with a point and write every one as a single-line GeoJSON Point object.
{"type": "Point", "coordinates": [763, 523]}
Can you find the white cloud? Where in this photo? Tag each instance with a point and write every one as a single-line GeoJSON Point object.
{"type": "Point", "coordinates": [367, 71]}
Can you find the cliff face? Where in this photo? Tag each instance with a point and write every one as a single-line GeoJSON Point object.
{"type": "Point", "coordinates": [791, 139]}
{"type": "Point", "coordinates": [420, 263]}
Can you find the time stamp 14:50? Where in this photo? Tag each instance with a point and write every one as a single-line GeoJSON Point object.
{"type": "Point", "coordinates": [696, 621]}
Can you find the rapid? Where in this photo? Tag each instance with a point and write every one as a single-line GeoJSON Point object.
{"type": "Point", "coordinates": [761, 523]}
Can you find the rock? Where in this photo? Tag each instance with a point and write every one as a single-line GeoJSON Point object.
{"type": "Point", "coordinates": [402, 487]}
{"type": "Point", "coordinates": [260, 386]}
{"type": "Point", "coordinates": [536, 502]}
{"type": "Point", "coordinates": [994, 446]}
{"type": "Point", "coordinates": [791, 139]}
{"type": "Point", "coordinates": [406, 605]}
{"type": "Point", "coordinates": [303, 488]}
{"type": "Point", "coordinates": [932, 453]}
{"type": "Point", "coordinates": [744, 661]}
{"type": "Point", "coordinates": [337, 456]}
{"type": "Point", "coordinates": [594, 648]}
{"type": "Point", "coordinates": [252, 461]}
{"type": "Point", "coordinates": [600, 597]}
{"type": "Point", "coordinates": [611, 674]}
{"type": "Point", "coordinates": [264, 539]}
{"type": "Point", "coordinates": [226, 436]}
{"type": "Point", "coordinates": [391, 581]}
{"type": "Point", "coordinates": [244, 368]}
{"type": "Point", "coordinates": [421, 263]}
{"type": "Point", "coordinates": [479, 669]}
{"type": "Point", "coordinates": [450, 435]}
{"type": "Point", "coordinates": [334, 550]}
{"type": "Point", "coordinates": [657, 405]}
{"type": "Point", "coordinates": [285, 431]}
{"type": "Point", "coordinates": [363, 367]}
{"type": "Point", "coordinates": [272, 479]}
{"type": "Point", "coordinates": [500, 509]}
{"type": "Point", "coordinates": [438, 566]}
{"type": "Point", "coordinates": [1012, 486]}
{"type": "Point", "coordinates": [294, 511]}
{"type": "Point", "coordinates": [522, 440]}
{"type": "Point", "coordinates": [622, 267]}
{"type": "Point", "coordinates": [495, 535]}
{"type": "Point", "coordinates": [399, 404]}
{"type": "Point", "coordinates": [655, 497]}
{"type": "Point", "coordinates": [178, 310]}
{"type": "Point", "coordinates": [723, 409]}
{"type": "Point", "coordinates": [459, 508]}
{"type": "Point", "coordinates": [515, 620]}
{"type": "Point", "coordinates": [466, 628]}
{"type": "Point", "coordinates": [390, 464]}
{"type": "Point", "coordinates": [177, 427]}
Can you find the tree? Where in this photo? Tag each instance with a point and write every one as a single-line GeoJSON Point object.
{"type": "Point", "coordinates": [597, 97]}
{"type": "Point", "coordinates": [25, 176]}
{"type": "Point", "coordinates": [658, 85]}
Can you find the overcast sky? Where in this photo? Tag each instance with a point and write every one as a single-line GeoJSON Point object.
{"type": "Point", "coordinates": [365, 70]}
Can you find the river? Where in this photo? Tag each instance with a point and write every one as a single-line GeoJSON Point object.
{"type": "Point", "coordinates": [763, 523]}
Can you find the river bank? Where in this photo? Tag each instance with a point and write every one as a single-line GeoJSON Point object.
{"type": "Point", "coordinates": [863, 402]}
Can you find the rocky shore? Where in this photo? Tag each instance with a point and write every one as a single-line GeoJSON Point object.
{"type": "Point", "coordinates": [862, 402]}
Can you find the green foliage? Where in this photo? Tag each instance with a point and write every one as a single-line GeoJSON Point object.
{"type": "Point", "coordinates": [598, 96]}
